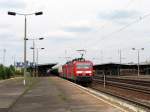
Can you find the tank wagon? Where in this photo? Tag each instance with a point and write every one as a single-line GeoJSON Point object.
{"type": "Point", "coordinates": [78, 70]}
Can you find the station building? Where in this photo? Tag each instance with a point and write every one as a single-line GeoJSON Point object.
{"type": "Point", "coordinates": [121, 69]}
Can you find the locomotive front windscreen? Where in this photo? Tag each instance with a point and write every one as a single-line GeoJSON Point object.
{"type": "Point", "coordinates": [84, 65]}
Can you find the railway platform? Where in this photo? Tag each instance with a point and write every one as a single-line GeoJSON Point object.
{"type": "Point", "coordinates": [10, 90]}
{"type": "Point", "coordinates": [53, 94]}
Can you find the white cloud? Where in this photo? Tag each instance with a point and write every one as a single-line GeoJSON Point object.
{"type": "Point", "coordinates": [60, 33]}
{"type": "Point", "coordinates": [13, 4]}
{"type": "Point", "coordinates": [75, 24]}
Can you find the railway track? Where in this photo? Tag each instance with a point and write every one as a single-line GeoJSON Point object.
{"type": "Point", "coordinates": [136, 85]}
{"type": "Point", "coordinates": [133, 91]}
{"type": "Point", "coordinates": [132, 101]}
{"type": "Point", "coordinates": [124, 80]}
{"type": "Point", "coordinates": [138, 88]}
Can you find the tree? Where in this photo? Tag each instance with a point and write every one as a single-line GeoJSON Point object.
{"type": "Point", "coordinates": [2, 74]}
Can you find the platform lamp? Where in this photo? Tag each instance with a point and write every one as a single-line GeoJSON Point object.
{"type": "Point", "coordinates": [33, 48]}
{"type": "Point", "coordinates": [37, 59]}
{"type": "Point", "coordinates": [138, 53]}
{"type": "Point", "coordinates": [25, 33]}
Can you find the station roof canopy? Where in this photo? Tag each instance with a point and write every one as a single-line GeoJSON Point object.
{"type": "Point", "coordinates": [123, 66]}
{"type": "Point", "coordinates": [48, 65]}
{"type": "Point", "coordinates": [43, 68]}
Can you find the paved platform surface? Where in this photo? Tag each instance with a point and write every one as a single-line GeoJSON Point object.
{"type": "Point", "coordinates": [53, 94]}
{"type": "Point", "coordinates": [10, 90]}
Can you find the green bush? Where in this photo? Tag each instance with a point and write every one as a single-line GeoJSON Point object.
{"type": "Point", "coordinates": [2, 72]}
{"type": "Point", "coordinates": [18, 73]}
{"type": "Point", "coordinates": [6, 72]}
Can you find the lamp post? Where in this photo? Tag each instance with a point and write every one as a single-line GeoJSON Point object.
{"type": "Point", "coordinates": [37, 59]}
{"type": "Point", "coordinates": [25, 34]}
{"type": "Point", "coordinates": [120, 61]}
{"type": "Point", "coordinates": [33, 48]}
{"type": "Point", "coordinates": [138, 53]}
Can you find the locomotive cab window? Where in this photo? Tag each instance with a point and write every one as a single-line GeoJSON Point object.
{"type": "Point", "coordinates": [84, 65]}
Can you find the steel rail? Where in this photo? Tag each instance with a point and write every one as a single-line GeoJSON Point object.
{"type": "Point", "coordinates": [133, 81]}
{"type": "Point", "coordinates": [125, 86]}
{"type": "Point", "coordinates": [134, 102]}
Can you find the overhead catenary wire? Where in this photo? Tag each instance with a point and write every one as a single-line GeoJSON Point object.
{"type": "Point", "coordinates": [124, 27]}
{"type": "Point", "coordinates": [125, 6]}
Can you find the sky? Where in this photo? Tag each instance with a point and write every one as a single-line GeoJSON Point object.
{"type": "Point", "coordinates": [101, 27]}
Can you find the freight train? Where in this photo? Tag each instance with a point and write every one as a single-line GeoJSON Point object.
{"type": "Point", "coordinates": [78, 70]}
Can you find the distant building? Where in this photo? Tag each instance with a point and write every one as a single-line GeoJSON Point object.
{"type": "Point", "coordinates": [121, 69]}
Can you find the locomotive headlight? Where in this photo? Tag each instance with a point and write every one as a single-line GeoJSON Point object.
{"type": "Point", "coordinates": [79, 72]}
{"type": "Point", "coordinates": [88, 72]}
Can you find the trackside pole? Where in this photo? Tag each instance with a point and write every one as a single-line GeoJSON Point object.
{"type": "Point", "coordinates": [104, 80]}
{"type": "Point", "coordinates": [24, 82]}
{"type": "Point", "coordinates": [24, 73]}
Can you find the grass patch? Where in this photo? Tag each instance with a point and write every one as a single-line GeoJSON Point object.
{"type": "Point", "coordinates": [60, 93]}
{"type": "Point", "coordinates": [63, 97]}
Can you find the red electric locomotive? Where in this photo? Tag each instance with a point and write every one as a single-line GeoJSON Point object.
{"type": "Point", "coordinates": [78, 70]}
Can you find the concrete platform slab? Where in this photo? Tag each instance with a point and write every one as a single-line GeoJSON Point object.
{"type": "Point", "coordinates": [10, 90]}
{"type": "Point", "coordinates": [53, 94]}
